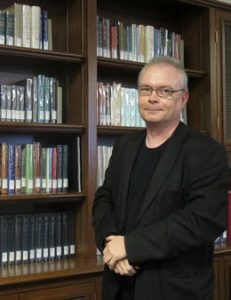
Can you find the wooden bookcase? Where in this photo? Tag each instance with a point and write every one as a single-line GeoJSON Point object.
{"type": "Point", "coordinates": [74, 62]}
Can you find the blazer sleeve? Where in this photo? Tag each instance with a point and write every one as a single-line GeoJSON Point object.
{"type": "Point", "coordinates": [103, 207]}
{"type": "Point", "coordinates": [198, 223]}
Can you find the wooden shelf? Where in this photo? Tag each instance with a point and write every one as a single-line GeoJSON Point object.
{"type": "Point", "coordinates": [116, 130]}
{"type": "Point", "coordinates": [58, 269]}
{"type": "Point", "coordinates": [42, 198]}
{"type": "Point", "coordinates": [136, 66]}
{"type": "Point", "coordinates": [40, 54]}
{"type": "Point", "coordinates": [19, 127]}
{"type": "Point", "coordinates": [223, 249]}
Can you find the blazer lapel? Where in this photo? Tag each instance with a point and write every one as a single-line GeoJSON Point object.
{"type": "Point", "coordinates": [131, 152]}
{"type": "Point", "coordinates": [164, 166]}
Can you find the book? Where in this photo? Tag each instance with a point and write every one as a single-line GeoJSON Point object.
{"type": "Point", "coordinates": [59, 104]}
{"type": "Point", "coordinates": [18, 156]}
{"type": "Point", "coordinates": [44, 21]}
{"type": "Point", "coordinates": [9, 28]}
{"type": "Point", "coordinates": [58, 235]}
{"type": "Point", "coordinates": [11, 239]}
{"type": "Point", "coordinates": [2, 27]}
{"type": "Point", "coordinates": [38, 237]}
{"type": "Point", "coordinates": [65, 168]}
{"type": "Point", "coordinates": [4, 240]}
{"type": "Point", "coordinates": [45, 237]}
{"type": "Point", "coordinates": [4, 168]}
{"type": "Point", "coordinates": [18, 238]}
{"type": "Point", "coordinates": [11, 169]}
{"type": "Point", "coordinates": [29, 168]}
{"type": "Point", "coordinates": [26, 25]}
{"type": "Point", "coordinates": [36, 167]}
{"type": "Point", "coordinates": [31, 237]}
{"type": "Point", "coordinates": [35, 99]}
{"type": "Point", "coordinates": [23, 169]}
{"type": "Point", "coordinates": [66, 232]}
{"type": "Point", "coordinates": [8, 103]}
{"type": "Point", "coordinates": [25, 238]}
{"type": "Point", "coordinates": [3, 102]}
{"type": "Point", "coordinates": [41, 98]}
{"type": "Point", "coordinates": [35, 26]}
{"type": "Point", "coordinates": [52, 237]}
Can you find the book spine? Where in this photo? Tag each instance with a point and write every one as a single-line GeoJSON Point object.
{"type": "Point", "coordinates": [53, 100]}
{"type": "Point", "coordinates": [8, 103]}
{"type": "Point", "coordinates": [36, 167]}
{"type": "Point", "coordinates": [31, 237]}
{"type": "Point", "coordinates": [65, 167]}
{"type": "Point", "coordinates": [59, 168]}
{"type": "Point", "coordinates": [52, 240]}
{"type": "Point", "coordinates": [54, 170]}
{"type": "Point", "coordinates": [4, 159]}
{"type": "Point", "coordinates": [25, 238]}
{"type": "Point", "coordinates": [23, 169]}
{"type": "Point", "coordinates": [11, 169]}
{"type": "Point", "coordinates": [59, 245]}
{"type": "Point", "coordinates": [45, 30]}
{"type": "Point", "coordinates": [13, 102]}
{"type": "Point", "coordinates": [29, 168]}
{"type": "Point", "coordinates": [47, 103]}
{"type": "Point", "coordinates": [41, 101]}
{"type": "Point", "coordinates": [35, 26]}
{"type": "Point", "coordinates": [35, 100]}
{"type": "Point", "coordinates": [43, 170]}
{"type": "Point", "coordinates": [65, 243]}
{"type": "Point", "coordinates": [45, 235]}
{"type": "Point", "coordinates": [2, 27]}
{"type": "Point", "coordinates": [26, 25]}
{"type": "Point", "coordinates": [11, 239]}
{"type": "Point", "coordinates": [71, 235]}
{"type": "Point", "coordinates": [28, 99]}
{"type": "Point", "coordinates": [4, 240]}
{"type": "Point", "coordinates": [9, 28]}
{"type": "Point", "coordinates": [38, 237]}
{"type": "Point", "coordinates": [3, 102]}
{"type": "Point", "coordinates": [18, 238]}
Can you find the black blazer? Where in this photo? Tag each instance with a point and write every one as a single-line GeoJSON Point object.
{"type": "Point", "coordinates": [183, 212]}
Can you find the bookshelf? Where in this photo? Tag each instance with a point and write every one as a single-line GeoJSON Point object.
{"type": "Point", "coordinates": [73, 61]}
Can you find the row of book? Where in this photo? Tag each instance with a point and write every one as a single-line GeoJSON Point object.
{"type": "Point", "coordinates": [31, 168]}
{"type": "Point", "coordinates": [117, 105]}
{"type": "Point", "coordinates": [26, 26]}
{"type": "Point", "coordinates": [136, 42]}
{"type": "Point", "coordinates": [37, 99]}
{"type": "Point", "coordinates": [27, 238]}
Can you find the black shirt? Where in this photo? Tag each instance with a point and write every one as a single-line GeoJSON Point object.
{"type": "Point", "coordinates": [141, 174]}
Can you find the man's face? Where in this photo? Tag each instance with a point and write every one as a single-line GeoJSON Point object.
{"type": "Point", "coordinates": [166, 107]}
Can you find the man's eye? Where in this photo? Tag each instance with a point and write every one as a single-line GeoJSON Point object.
{"type": "Point", "coordinates": [165, 91]}
{"type": "Point", "coordinates": [145, 89]}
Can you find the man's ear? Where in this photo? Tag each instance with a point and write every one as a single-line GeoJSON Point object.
{"type": "Point", "coordinates": [185, 98]}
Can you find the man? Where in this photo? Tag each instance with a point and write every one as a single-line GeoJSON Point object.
{"type": "Point", "coordinates": [163, 200]}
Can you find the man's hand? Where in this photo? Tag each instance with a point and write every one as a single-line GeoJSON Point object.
{"type": "Point", "coordinates": [114, 250]}
{"type": "Point", "coordinates": [122, 267]}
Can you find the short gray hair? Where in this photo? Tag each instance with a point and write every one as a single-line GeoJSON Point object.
{"type": "Point", "coordinates": [166, 60]}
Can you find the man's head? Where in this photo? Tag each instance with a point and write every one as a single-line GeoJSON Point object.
{"type": "Point", "coordinates": [163, 91]}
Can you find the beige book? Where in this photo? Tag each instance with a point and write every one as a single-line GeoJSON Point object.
{"type": "Point", "coordinates": [26, 26]}
{"type": "Point", "coordinates": [35, 26]}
